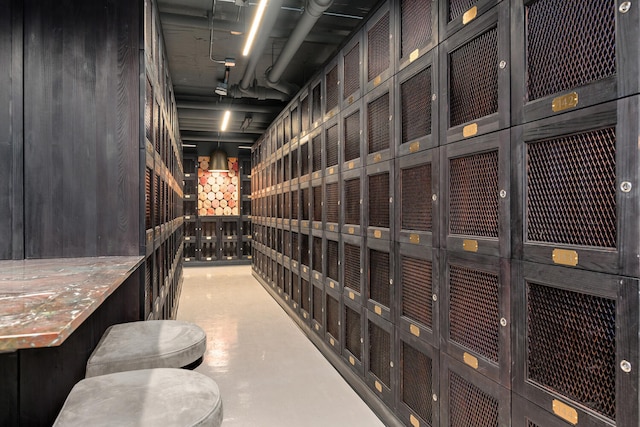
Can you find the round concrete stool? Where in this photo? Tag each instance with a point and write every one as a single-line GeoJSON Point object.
{"type": "Point", "coordinates": [147, 344]}
{"type": "Point", "coordinates": [149, 397]}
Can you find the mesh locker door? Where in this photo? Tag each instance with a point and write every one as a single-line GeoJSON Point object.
{"type": "Point", "coordinates": [316, 108]}
{"type": "Point", "coordinates": [280, 277]}
{"type": "Point", "coordinates": [378, 123]}
{"type": "Point", "coordinates": [317, 304]}
{"type": "Point", "coordinates": [316, 146]}
{"type": "Point", "coordinates": [379, 200]}
{"type": "Point", "coordinates": [333, 258]}
{"type": "Point", "coordinates": [571, 346]}
{"type": "Point", "coordinates": [332, 88]}
{"type": "Point", "coordinates": [295, 248]}
{"type": "Point", "coordinates": [317, 203]}
{"type": "Point", "coordinates": [352, 71]}
{"type": "Point", "coordinates": [352, 136]}
{"type": "Point", "coordinates": [148, 112]}
{"type": "Point", "coordinates": [317, 254]}
{"type": "Point", "coordinates": [148, 287]}
{"type": "Point", "coordinates": [304, 249]}
{"type": "Point", "coordinates": [417, 378]}
{"type": "Point", "coordinates": [286, 213]}
{"type": "Point", "coordinates": [380, 353]}
{"type": "Point", "coordinates": [295, 122]}
{"type": "Point", "coordinates": [286, 287]}
{"type": "Point", "coordinates": [417, 290]}
{"type": "Point", "coordinates": [304, 160]}
{"type": "Point", "coordinates": [353, 332]}
{"type": "Point", "coordinates": [352, 201]}
{"type": "Point", "coordinates": [469, 405]}
{"type": "Point", "coordinates": [458, 8]}
{"type": "Point", "coordinates": [415, 98]}
{"type": "Point", "coordinates": [473, 199]}
{"type": "Point", "coordinates": [333, 317]}
{"type": "Point", "coordinates": [295, 287]}
{"type": "Point", "coordinates": [379, 275]}
{"type": "Point", "coordinates": [279, 134]}
{"type": "Point", "coordinates": [378, 48]}
{"type": "Point", "coordinates": [278, 241]}
{"type": "Point", "coordinates": [571, 189]}
{"type": "Point", "coordinates": [415, 203]}
{"type": "Point", "coordinates": [473, 98]}
{"type": "Point", "coordinates": [294, 164]}
{"type": "Point", "coordinates": [304, 295]}
{"type": "Point", "coordinates": [287, 128]}
{"type": "Point", "coordinates": [147, 199]}
{"type": "Point", "coordinates": [352, 271]}
{"type": "Point", "coordinates": [294, 204]}
{"type": "Point", "coordinates": [577, 33]}
{"type": "Point", "coordinates": [286, 168]}
{"type": "Point", "coordinates": [415, 20]}
{"type": "Point", "coordinates": [332, 145]}
{"type": "Point", "coordinates": [305, 201]}
{"type": "Point", "coordinates": [279, 202]}
{"type": "Point", "coordinates": [474, 316]}
{"type": "Point", "coordinates": [304, 115]}
{"type": "Point", "coordinates": [274, 271]}
{"type": "Point", "coordinates": [156, 200]}
{"type": "Point", "coordinates": [332, 199]}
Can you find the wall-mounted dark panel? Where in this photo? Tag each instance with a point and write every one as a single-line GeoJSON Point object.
{"type": "Point", "coordinates": [82, 168]}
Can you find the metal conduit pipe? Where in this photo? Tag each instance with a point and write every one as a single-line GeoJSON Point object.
{"type": "Point", "coordinates": [312, 12]}
{"type": "Point", "coordinates": [260, 41]}
{"type": "Point", "coordinates": [215, 106]}
{"type": "Point", "coordinates": [258, 92]}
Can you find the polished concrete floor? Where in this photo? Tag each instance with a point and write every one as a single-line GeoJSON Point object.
{"type": "Point", "coordinates": [268, 372]}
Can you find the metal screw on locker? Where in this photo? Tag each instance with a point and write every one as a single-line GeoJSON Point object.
{"type": "Point", "coordinates": [624, 6]}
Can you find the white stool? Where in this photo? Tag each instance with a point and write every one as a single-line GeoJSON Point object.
{"type": "Point", "coordinates": [150, 397]}
{"type": "Point", "coordinates": [147, 344]}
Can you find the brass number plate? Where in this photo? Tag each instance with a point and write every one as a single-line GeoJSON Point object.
{"type": "Point", "coordinates": [414, 146]}
{"type": "Point", "coordinates": [565, 257]}
{"type": "Point", "coordinates": [469, 15]}
{"type": "Point", "coordinates": [564, 102]}
{"type": "Point", "coordinates": [470, 245]}
{"type": "Point", "coordinates": [414, 330]}
{"type": "Point", "coordinates": [565, 412]}
{"type": "Point", "coordinates": [470, 360]}
{"type": "Point", "coordinates": [470, 130]}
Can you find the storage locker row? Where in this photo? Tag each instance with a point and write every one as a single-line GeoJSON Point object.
{"type": "Point", "coordinates": [498, 63]}
{"type": "Point", "coordinates": [217, 239]}
{"type": "Point", "coordinates": [569, 335]}
{"type": "Point", "coordinates": [557, 191]}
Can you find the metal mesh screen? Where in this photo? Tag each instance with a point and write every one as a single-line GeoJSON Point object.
{"type": "Point", "coordinates": [304, 249]}
{"type": "Point", "coordinates": [332, 197]}
{"type": "Point", "coordinates": [333, 317]}
{"type": "Point", "coordinates": [295, 204]}
{"type": "Point", "coordinates": [416, 290]}
{"type": "Point", "coordinates": [316, 146]}
{"type": "Point", "coordinates": [379, 200]}
{"type": "Point", "coordinates": [415, 18]}
{"type": "Point", "coordinates": [417, 385]}
{"type": "Point", "coordinates": [295, 287]}
{"type": "Point", "coordinates": [473, 79]}
{"type": "Point", "coordinates": [571, 189]}
{"type": "Point", "coordinates": [305, 200]}
{"type": "Point", "coordinates": [286, 168]}
{"type": "Point", "coordinates": [156, 200]}
{"type": "Point", "coordinates": [459, 7]}
{"type": "Point", "coordinates": [473, 199]}
{"type": "Point", "coordinates": [474, 316]}
{"type": "Point", "coordinates": [286, 288]}
{"type": "Point", "coordinates": [332, 88]}
{"type": "Point", "coordinates": [380, 353]}
{"type": "Point", "coordinates": [317, 203]}
{"type": "Point", "coordinates": [189, 251]}
{"type": "Point", "coordinates": [352, 71]}
{"type": "Point", "coordinates": [582, 34]}
{"type": "Point", "coordinates": [332, 146]}
{"type": "Point", "coordinates": [352, 136]}
{"type": "Point", "coordinates": [353, 332]}
{"type": "Point", "coordinates": [317, 304]}
{"type": "Point", "coordinates": [571, 345]}
{"type": "Point", "coordinates": [416, 203]}
{"type": "Point", "coordinates": [147, 199]}
{"type": "Point", "coordinates": [378, 127]}
{"type": "Point", "coordinates": [352, 271]}
{"type": "Point", "coordinates": [415, 94]}
{"type": "Point", "coordinates": [304, 114]}
{"type": "Point", "coordinates": [286, 213]}
{"type": "Point", "coordinates": [280, 134]}
{"type": "Point", "coordinates": [304, 160]}
{"type": "Point", "coordinates": [148, 112]}
{"type": "Point", "coordinates": [333, 258]}
{"type": "Point", "coordinates": [317, 254]}
{"type": "Point", "coordinates": [295, 247]}
{"type": "Point", "coordinates": [295, 123]}
{"type": "Point", "coordinates": [469, 405]}
{"type": "Point", "coordinates": [278, 241]}
{"type": "Point", "coordinates": [316, 109]}
{"type": "Point", "coordinates": [294, 164]}
{"type": "Point", "coordinates": [532, 424]}
{"type": "Point", "coordinates": [378, 36]}
{"type": "Point", "coordinates": [352, 201]}
{"type": "Point", "coordinates": [287, 129]}
{"type": "Point", "coordinates": [304, 295]}
{"type": "Point", "coordinates": [148, 287]}
{"type": "Point", "coordinates": [379, 275]}
{"type": "Point", "coordinates": [280, 277]}
{"type": "Point", "coordinates": [279, 203]}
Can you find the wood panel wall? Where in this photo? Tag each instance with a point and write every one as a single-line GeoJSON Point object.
{"type": "Point", "coordinates": [81, 115]}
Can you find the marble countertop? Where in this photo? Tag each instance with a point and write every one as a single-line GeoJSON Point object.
{"type": "Point", "coordinates": [42, 301]}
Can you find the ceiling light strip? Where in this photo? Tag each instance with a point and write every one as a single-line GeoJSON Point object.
{"type": "Point", "coordinates": [254, 27]}
{"type": "Point", "coordinates": [225, 120]}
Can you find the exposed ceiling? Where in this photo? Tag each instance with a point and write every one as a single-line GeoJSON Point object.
{"type": "Point", "coordinates": [200, 34]}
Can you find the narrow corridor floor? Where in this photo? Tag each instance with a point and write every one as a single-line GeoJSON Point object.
{"type": "Point", "coordinates": [268, 372]}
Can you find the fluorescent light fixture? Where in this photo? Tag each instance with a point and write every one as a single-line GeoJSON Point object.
{"type": "Point", "coordinates": [254, 27]}
{"type": "Point", "coordinates": [225, 120]}
{"type": "Point", "coordinates": [245, 147]}
{"type": "Point", "coordinates": [189, 145]}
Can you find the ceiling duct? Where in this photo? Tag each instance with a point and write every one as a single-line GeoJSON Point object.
{"type": "Point", "coordinates": [312, 12]}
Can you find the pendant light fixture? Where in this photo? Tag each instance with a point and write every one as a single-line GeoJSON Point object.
{"type": "Point", "coordinates": [218, 161]}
